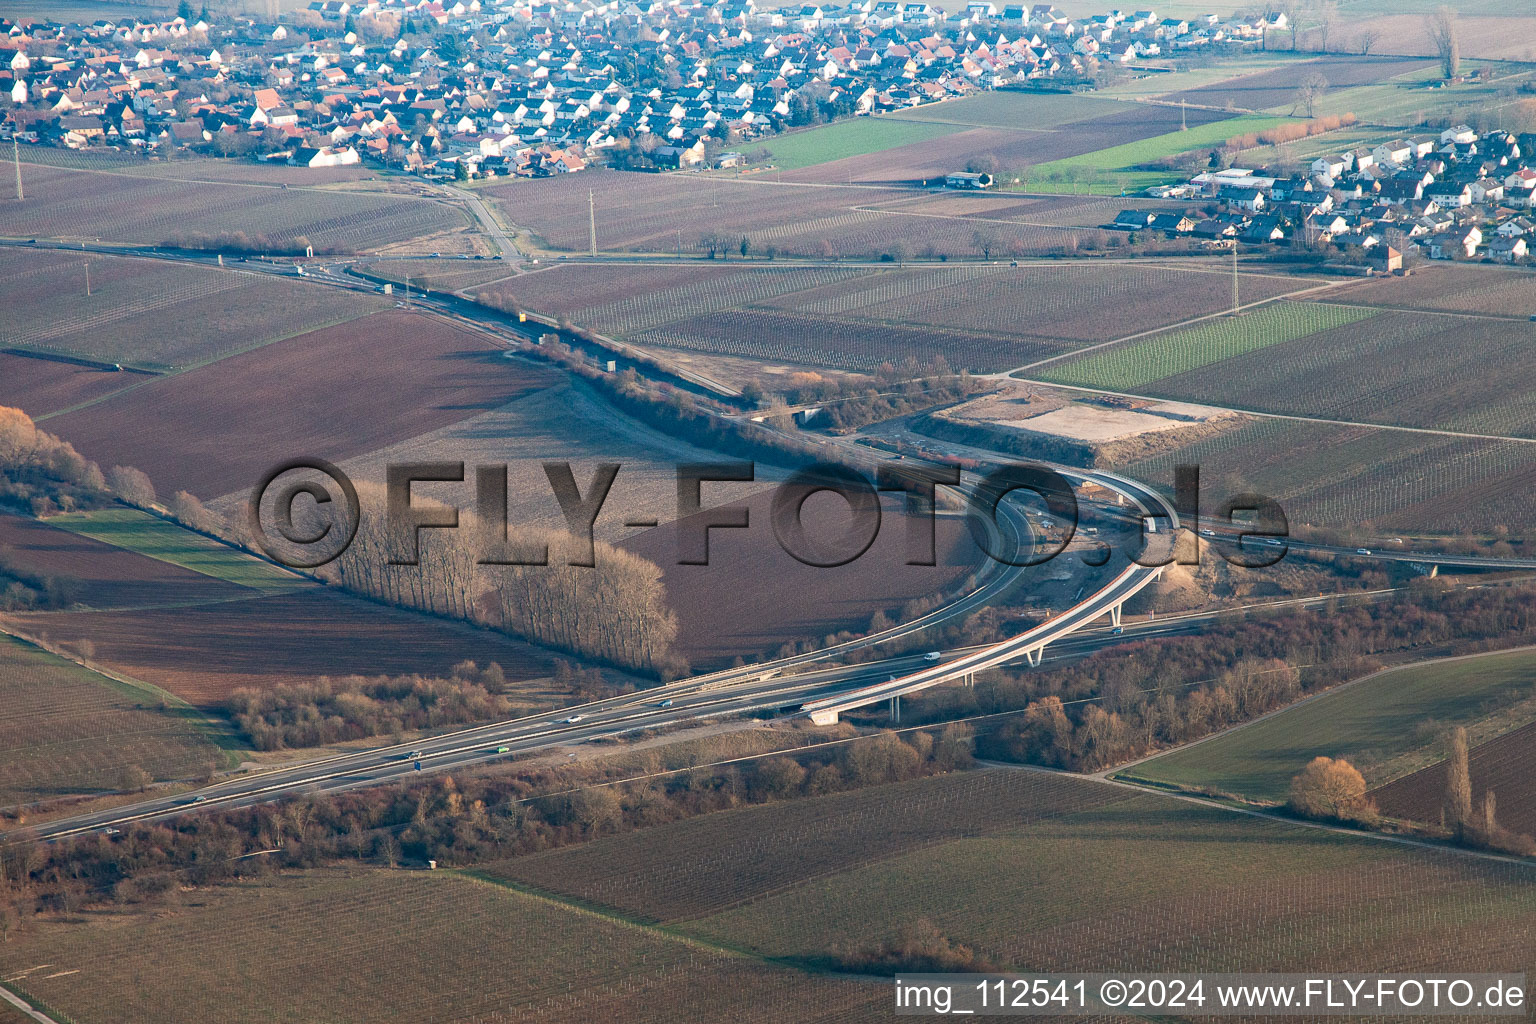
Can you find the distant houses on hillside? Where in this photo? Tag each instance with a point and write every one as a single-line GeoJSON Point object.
{"type": "Point", "coordinates": [1453, 195]}
{"type": "Point", "coordinates": [530, 87]}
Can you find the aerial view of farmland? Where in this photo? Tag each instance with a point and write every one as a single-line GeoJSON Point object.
{"type": "Point", "coordinates": [766, 512]}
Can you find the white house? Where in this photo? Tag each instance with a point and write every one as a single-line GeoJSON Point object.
{"type": "Point", "coordinates": [1486, 190]}
{"type": "Point", "coordinates": [1395, 152]}
{"type": "Point", "coordinates": [1519, 187]}
{"type": "Point", "coordinates": [1507, 250]}
{"type": "Point", "coordinates": [1328, 166]}
{"type": "Point", "coordinates": [1515, 228]}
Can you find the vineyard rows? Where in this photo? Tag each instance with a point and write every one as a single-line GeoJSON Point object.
{"type": "Point", "coordinates": [403, 946]}
{"type": "Point", "coordinates": [877, 290]}
{"type": "Point", "coordinates": [1395, 368]}
{"type": "Point", "coordinates": [1149, 885]}
{"type": "Point", "coordinates": [827, 341]}
{"type": "Point", "coordinates": [167, 293]}
{"type": "Point", "coordinates": [705, 864]}
{"type": "Point", "coordinates": [1451, 288]}
{"type": "Point", "coordinates": [1340, 476]}
{"type": "Point", "coordinates": [1146, 362]}
{"type": "Point", "coordinates": [150, 210]}
{"type": "Point", "coordinates": [143, 312]}
{"type": "Point", "coordinates": [653, 309]}
{"type": "Point", "coordinates": [565, 288]}
{"type": "Point", "coordinates": [64, 730]}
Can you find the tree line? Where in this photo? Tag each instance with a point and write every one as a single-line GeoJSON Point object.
{"type": "Point", "coordinates": [249, 244]}
{"type": "Point", "coordinates": [354, 707]}
{"type": "Point", "coordinates": [1332, 789]}
{"type": "Point", "coordinates": [1121, 704]}
{"type": "Point", "coordinates": [41, 474]}
{"type": "Point", "coordinates": [458, 822]}
{"type": "Point", "coordinates": [614, 610]}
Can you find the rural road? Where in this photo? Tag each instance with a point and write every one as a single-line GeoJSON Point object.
{"type": "Point", "coordinates": [488, 222]}
{"type": "Point", "coordinates": [25, 1008]}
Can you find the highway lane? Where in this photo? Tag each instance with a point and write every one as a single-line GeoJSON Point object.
{"type": "Point", "coordinates": [1032, 642]}
{"type": "Point", "coordinates": [733, 691]}
{"type": "Point", "coordinates": [692, 702]}
{"type": "Point", "coordinates": [615, 716]}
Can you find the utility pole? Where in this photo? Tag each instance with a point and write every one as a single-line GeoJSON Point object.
{"type": "Point", "coordinates": [16, 156]}
{"type": "Point", "coordinates": [1183, 115]}
{"type": "Point", "coordinates": [1235, 303]}
{"type": "Point", "coordinates": [407, 291]}
{"type": "Point", "coordinates": [87, 278]}
{"type": "Point", "coordinates": [591, 224]}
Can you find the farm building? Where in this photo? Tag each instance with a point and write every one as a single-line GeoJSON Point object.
{"type": "Point", "coordinates": [330, 156]}
{"type": "Point", "coordinates": [965, 179]}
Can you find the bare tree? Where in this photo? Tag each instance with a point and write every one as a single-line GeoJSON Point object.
{"type": "Point", "coordinates": [1294, 11]}
{"type": "Point", "coordinates": [131, 485]}
{"type": "Point", "coordinates": [985, 242]}
{"type": "Point", "coordinates": [1309, 92]}
{"type": "Point", "coordinates": [1441, 27]}
{"type": "Point", "coordinates": [1458, 786]}
{"type": "Point", "coordinates": [1366, 41]}
{"type": "Point", "coordinates": [1327, 14]}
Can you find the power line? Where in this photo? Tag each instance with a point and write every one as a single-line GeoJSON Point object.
{"type": "Point", "coordinates": [591, 224]}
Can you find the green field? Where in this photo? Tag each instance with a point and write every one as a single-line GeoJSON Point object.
{"type": "Point", "coordinates": [1113, 170]}
{"type": "Point", "coordinates": [66, 730]}
{"type": "Point", "coordinates": [401, 946]}
{"type": "Point", "coordinates": [1142, 363]}
{"type": "Point", "coordinates": [853, 137]}
{"type": "Point", "coordinates": [1386, 726]}
{"type": "Point", "coordinates": [1408, 99]}
{"type": "Point", "coordinates": [149, 535]}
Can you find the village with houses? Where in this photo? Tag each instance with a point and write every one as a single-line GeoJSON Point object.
{"type": "Point", "coordinates": [1453, 195]}
{"type": "Point", "coordinates": [485, 88]}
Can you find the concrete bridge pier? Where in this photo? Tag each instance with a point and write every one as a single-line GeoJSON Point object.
{"type": "Point", "coordinates": [895, 709]}
{"type": "Point", "coordinates": [824, 717]}
{"type": "Point", "coordinates": [1114, 616]}
{"type": "Point", "coordinates": [1034, 657]}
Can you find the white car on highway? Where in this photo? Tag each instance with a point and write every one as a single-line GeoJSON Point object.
{"type": "Point", "coordinates": [933, 655]}
{"type": "Point", "coordinates": [572, 720]}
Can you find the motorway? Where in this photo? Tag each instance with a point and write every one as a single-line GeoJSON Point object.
{"type": "Point", "coordinates": [686, 702]}
{"type": "Point", "coordinates": [1031, 643]}
{"type": "Point", "coordinates": [731, 692]}
{"type": "Point", "coordinates": [822, 693]}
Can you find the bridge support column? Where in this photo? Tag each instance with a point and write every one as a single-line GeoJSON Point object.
{"type": "Point", "coordinates": [1434, 571]}
{"type": "Point", "coordinates": [1114, 615]}
{"type": "Point", "coordinates": [824, 717]}
{"type": "Point", "coordinates": [1034, 657]}
{"type": "Point", "coordinates": [895, 709]}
